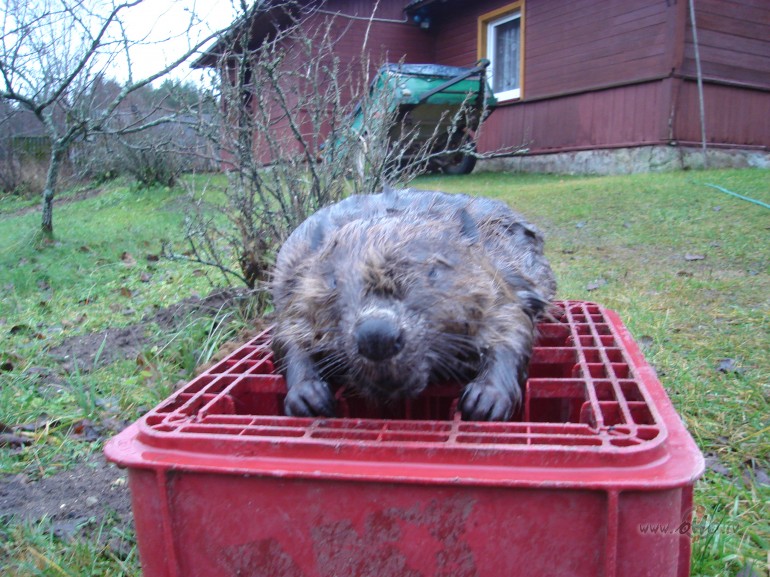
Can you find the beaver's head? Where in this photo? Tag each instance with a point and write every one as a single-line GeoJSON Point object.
{"type": "Point", "coordinates": [388, 304]}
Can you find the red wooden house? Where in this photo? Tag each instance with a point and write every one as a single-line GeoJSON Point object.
{"type": "Point", "coordinates": [589, 85]}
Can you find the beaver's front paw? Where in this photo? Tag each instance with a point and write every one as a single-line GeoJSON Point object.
{"type": "Point", "coordinates": [311, 398]}
{"type": "Point", "coordinates": [483, 400]}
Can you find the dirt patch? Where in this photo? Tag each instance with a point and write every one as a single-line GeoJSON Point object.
{"type": "Point", "coordinates": [128, 342]}
{"type": "Point", "coordinates": [57, 201]}
{"type": "Point", "coordinates": [78, 501]}
{"type": "Point", "coordinates": [115, 344]}
{"type": "Point", "coordinates": [74, 501]}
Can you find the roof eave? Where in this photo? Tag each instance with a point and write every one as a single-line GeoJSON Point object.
{"type": "Point", "coordinates": [258, 25]}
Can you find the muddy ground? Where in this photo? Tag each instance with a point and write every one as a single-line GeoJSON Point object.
{"type": "Point", "coordinates": [128, 342]}
{"type": "Point", "coordinates": [75, 501]}
{"type": "Point", "coordinates": [79, 500]}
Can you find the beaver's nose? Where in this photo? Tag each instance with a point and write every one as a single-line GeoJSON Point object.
{"type": "Point", "coordinates": [378, 338]}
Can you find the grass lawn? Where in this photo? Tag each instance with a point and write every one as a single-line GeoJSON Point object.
{"type": "Point", "coordinates": [686, 266]}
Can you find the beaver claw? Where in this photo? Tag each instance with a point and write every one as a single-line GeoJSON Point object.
{"type": "Point", "coordinates": [311, 398]}
{"type": "Point", "coordinates": [484, 401]}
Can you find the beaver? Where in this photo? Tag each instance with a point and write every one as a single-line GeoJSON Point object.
{"type": "Point", "coordinates": [385, 294]}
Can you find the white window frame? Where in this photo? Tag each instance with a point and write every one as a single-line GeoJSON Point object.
{"type": "Point", "coordinates": [490, 48]}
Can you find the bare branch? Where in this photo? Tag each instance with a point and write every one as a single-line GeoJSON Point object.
{"type": "Point", "coordinates": [64, 84]}
{"type": "Point", "coordinates": [53, 55]}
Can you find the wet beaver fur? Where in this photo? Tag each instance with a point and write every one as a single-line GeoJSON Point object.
{"type": "Point", "coordinates": [385, 294]}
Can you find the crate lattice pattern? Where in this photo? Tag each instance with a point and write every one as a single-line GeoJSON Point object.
{"type": "Point", "coordinates": [583, 395]}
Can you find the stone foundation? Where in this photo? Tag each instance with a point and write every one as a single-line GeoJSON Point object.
{"type": "Point", "coordinates": [627, 160]}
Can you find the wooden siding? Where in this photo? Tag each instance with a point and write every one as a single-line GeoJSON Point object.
{"type": "Point", "coordinates": [363, 9]}
{"type": "Point", "coordinates": [608, 74]}
{"type": "Point", "coordinates": [354, 37]}
{"type": "Point", "coordinates": [734, 42]}
{"type": "Point", "coordinates": [593, 44]}
{"type": "Point", "coordinates": [594, 74]}
{"type": "Point", "coordinates": [389, 40]}
{"type": "Point", "coordinates": [597, 73]}
{"type": "Point", "coordinates": [575, 46]}
{"type": "Point", "coordinates": [623, 116]}
{"type": "Point", "coordinates": [733, 115]}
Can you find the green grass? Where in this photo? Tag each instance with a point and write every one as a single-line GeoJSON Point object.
{"type": "Point", "coordinates": [686, 266]}
{"type": "Point", "coordinates": [96, 273]}
{"type": "Point", "coordinates": [34, 550]}
{"type": "Point", "coordinates": [102, 270]}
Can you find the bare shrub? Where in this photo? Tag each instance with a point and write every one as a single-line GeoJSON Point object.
{"type": "Point", "coordinates": [148, 157]}
{"type": "Point", "coordinates": [11, 181]}
{"type": "Point", "coordinates": [156, 155]}
{"type": "Point", "coordinates": [23, 152]}
{"type": "Point", "coordinates": [288, 138]}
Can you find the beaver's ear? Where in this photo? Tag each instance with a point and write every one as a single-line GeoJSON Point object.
{"type": "Point", "coordinates": [533, 302]}
{"type": "Point", "coordinates": [468, 226]}
{"type": "Point", "coordinates": [317, 233]}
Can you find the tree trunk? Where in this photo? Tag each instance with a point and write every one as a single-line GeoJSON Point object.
{"type": "Point", "coordinates": [51, 181]}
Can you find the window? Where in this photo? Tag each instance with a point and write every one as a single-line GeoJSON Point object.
{"type": "Point", "coordinates": [500, 40]}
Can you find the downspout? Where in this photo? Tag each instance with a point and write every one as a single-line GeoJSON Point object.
{"type": "Point", "coordinates": [699, 76]}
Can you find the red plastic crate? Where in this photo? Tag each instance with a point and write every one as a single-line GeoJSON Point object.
{"type": "Point", "coordinates": [223, 484]}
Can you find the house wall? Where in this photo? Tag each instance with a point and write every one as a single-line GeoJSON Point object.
{"type": "Point", "coordinates": [734, 47]}
{"type": "Point", "coordinates": [733, 115]}
{"type": "Point", "coordinates": [572, 46]}
{"type": "Point", "coordinates": [593, 73]}
{"type": "Point", "coordinates": [361, 36]}
{"type": "Point", "coordinates": [614, 117]}
{"type": "Point", "coordinates": [616, 73]}
{"type": "Point", "coordinates": [597, 74]}
{"type": "Point", "coordinates": [734, 42]}
{"type": "Point", "coordinates": [357, 34]}
{"type": "Point", "coordinates": [388, 36]}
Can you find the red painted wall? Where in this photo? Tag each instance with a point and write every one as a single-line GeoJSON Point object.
{"type": "Point", "coordinates": [614, 73]}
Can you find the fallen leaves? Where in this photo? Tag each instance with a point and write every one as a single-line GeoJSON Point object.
{"type": "Point", "coordinates": [729, 366]}
{"type": "Point", "coordinates": [127, 259]}
{"type": "Point", "coordinates": [9, 361]}
{"type": "Point", "coordinates": [15, 441]}
{"type": "Point", "coordinates": [596, 284]}
{"type": "Point", "coordinates": [23, 329]}
{"type": "Point", "coordinates": [10, 437]}
{"type": "Point", "coordinates": [17, 436]}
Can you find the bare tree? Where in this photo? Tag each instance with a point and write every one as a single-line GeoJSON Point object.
{"type": "Point", "coordinates": [54, 54]}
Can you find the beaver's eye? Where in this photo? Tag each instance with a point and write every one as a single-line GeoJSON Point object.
{"type": "Point", "coordinates": [438, 266]}
{"type": "Point", "coordinates": [436, 273]}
